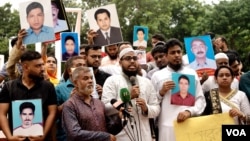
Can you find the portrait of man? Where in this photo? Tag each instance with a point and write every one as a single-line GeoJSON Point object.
{"type": "Point", "coordinates": [37, 31]}
{"type": "Point", "coordinates": [140, 36]}
{"type": "Point", "coordinates": [70, 45]}
{"type": "Point", "coordinates": [141, 56]}
{"type": "Point", "coordinates": [107, 33]}
{"type": "Point", "coordinates": [27, 115]}
{"type": "Point", "coordinates": [183, 96]}
{"type": "Point", "coordinates": [59, 16]}
{"type": "Point", "coordinates": [200, 51]}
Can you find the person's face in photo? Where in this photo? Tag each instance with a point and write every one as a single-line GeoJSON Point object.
{"type": "Point", "coordinates": [183, 85]}
{"type": "Point", "coordinates": [27, 116]}
{"type": "Point", "coordinates": [139, 56]}
{"type": "Point", "coordinates": [103, 21]}
{"type": "Point", "coordinates": [70, 46]}
{"type": "Point", "coordinates": [140, 35]}
{"type": "Point", "coordinates": [55, 12]}
{"type": "Point", "coordinates": [35, 19]}
{"type": "Point", "coordinates": [199, 49]}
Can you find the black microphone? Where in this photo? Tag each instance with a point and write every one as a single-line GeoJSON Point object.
{"type": "Point", "coordinates": [116, 104]}
{"type": "Point", "coordinates": [132, 80]}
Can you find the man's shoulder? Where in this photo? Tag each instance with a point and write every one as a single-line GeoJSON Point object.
{"type": "Point", "coordinates": [115, 28]}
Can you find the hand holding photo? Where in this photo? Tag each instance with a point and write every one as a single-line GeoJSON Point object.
{"type": "Point", "coordinates": [184, 92]}
{"type": "Point", "coordinates": [27, 117]}
{"type": "Point", "coordinates": [36, 18]}
{"type": "Point", "coordinates": [104, 20]}
{"type": "Point", "coordinates": [140, 36]}
{"type": "Point", "coordinates": [200, 54]}
{"type": "Point", "coordinates": [70, 46]}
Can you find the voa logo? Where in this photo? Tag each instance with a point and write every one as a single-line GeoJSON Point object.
{"type": "Point", "coordinates": [236, 132]}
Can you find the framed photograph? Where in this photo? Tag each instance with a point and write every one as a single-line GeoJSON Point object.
{"type": "Point", "coordinates": [60, 20]}
{"type": "Point", "coordinates": [104, 20]}
{"type": "Point", "coordinates": [200, 54]}
{"type": "Point", "coordinates": [36, 18]}
{"type": "Point", "coordinates": [69, 45]}
{"type": "Point", "coordinates": [27, 117]}
{"type": "Point", "coordinates": [140, 36]}
{"type": "Point", "coordinates": [141, 56]}
{"type": "Point", "coordinates": [184, 91]}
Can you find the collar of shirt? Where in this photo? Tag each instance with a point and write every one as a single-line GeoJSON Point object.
{"type": "Point", "coordinates": [69, 83]}
{"type": "Point", "coordinates": [104, 32]}
{"type": "Point", "coordinates": [43, 29]}
{"type": "Point", "coordinates": [201, 65]}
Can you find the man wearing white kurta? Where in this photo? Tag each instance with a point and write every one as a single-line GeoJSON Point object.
{"type": "Point", "coordinates": [162, 81]}
{"type": "Point", "coordinates": [144, 100]}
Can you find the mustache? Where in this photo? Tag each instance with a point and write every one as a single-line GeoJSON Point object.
{"type": "Point", "coordinates": [200, 52]}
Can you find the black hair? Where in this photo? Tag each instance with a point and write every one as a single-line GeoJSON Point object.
{"type": "Point", "coordinates": [52, 55]}
{"type": "Point", "coordinates": [159, 37]}
{"type": "Point", "coordinates": [232, 57]}
{"type": "Point", "coordinates": [99, 11]}
{"type": "Point", "coordinates": [171, 43]}
{"type": "Point", "coordinates": [183, 77]}
{"type": "Point", "coordinates": [93, 47]}
{"type": "Point", "coordinates": [158, 49]}
{"type": "Point", "coordinates": [32, 6]}
{"type": "Point", "coordinates": [30, 55]}
{"type": "Point", "coordinates": [69, 37]}
{"type": "Point", "coordinates": [83, 46]}
{"type": "Point", "coordinates": [68, 65]}
{"type": "Point", "coordinates": [13, 41]}
{"type": "Point", "coordinates": [222, 67]}
{"type": "Point", "coordinates": [25, 105]}
{"type": "Point", "coordinates": [140, 29]}
{"type": "Point", "coordinates": [197, 39]}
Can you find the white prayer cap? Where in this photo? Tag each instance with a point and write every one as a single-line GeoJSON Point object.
{"type": "Point", "coordinates": [220, 56]}
{"type": "Point", "coordinates": [125, 51]}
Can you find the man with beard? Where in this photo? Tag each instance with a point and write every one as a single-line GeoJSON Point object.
{"type": "Point", "coordinates": [162, 81]}
{"type": "Point", "coordinates": [199, 49]}
{"type": "Point", "coordinates": [83, 117]}
{"type": "Point", "coordinates": [93, 58]}
{"type": "Point", "coordinates": [143, 103]}
{"type": "Point", "coordinates": [112, 55]}
{"type": "Point", "coordinates": [30, 85]}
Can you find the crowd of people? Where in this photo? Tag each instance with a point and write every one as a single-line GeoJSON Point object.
{"type": "Point", "coordinates": [114, 97]}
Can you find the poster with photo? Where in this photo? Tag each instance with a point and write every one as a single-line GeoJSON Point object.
{"type": "Point", "coordinates": [104, 21]}
{"type": "Point", "coordinates": [69, 45]}
{"type": "Point", "coordinates": [36, 18]}
{"type": "Point", "coordinates": [27, 117]}
{"type": "Point", "coordinates": [141, 56]}
{"type": "Point", "coordinates": [200, 54]}
{"type": "Point", "coordinates": [140, 36]}
{"type": "Point", "coordinates": [184, 91]}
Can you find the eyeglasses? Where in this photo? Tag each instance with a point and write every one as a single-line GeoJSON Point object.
{"type": "Point", "coordinates": [129, 58]}
{"type": "Point", "coordinates": [96, 56]}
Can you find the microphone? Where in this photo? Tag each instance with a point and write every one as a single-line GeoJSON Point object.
{"type": "Point", "coordinates": [125, 97]}
{"type": "Point", "coordinates": [132, 80]}
{"type": "Point", "coordinates": [117, 104]}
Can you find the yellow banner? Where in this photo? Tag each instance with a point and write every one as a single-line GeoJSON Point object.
{"type": "Point", "coordinates": [203, 128]}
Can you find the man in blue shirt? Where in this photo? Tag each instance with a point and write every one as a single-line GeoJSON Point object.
{"type": "Point", "coordinates": [37, 31]}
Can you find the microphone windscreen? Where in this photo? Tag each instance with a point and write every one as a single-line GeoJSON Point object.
{"type": "Point", "coordinates": [125, 95]}
{"type": "Point", "coordinates": [132, 80]}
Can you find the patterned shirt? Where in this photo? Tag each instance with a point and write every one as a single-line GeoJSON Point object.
{"type": "Point", "coordinates": [84, 121]}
